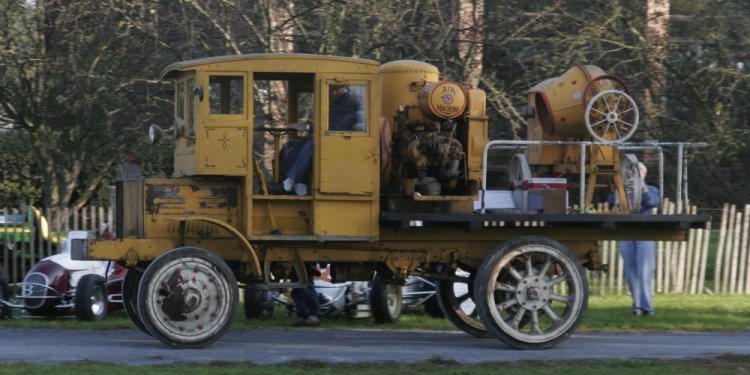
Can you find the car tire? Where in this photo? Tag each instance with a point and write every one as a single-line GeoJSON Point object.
{"type": "Point", "coordinates": [258, 303]}
{"type": "Point", "coordinates": [432, 307]}
{"type": "Point", "coordinates": [129, 298]}
{"type": "Point", "coordinates": [91, 298]}
{"type": "Point", "coordinates": [5, 311]}
{"type": "Point", "coordinates": [385, 301]}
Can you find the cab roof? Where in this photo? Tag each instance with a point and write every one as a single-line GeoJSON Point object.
{"type": "Point", "coordinates": [288, 62]}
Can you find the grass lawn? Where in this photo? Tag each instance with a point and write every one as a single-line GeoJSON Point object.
{"type": "Point", "coordinates": [605, 314]}
{"type": "Point", "coordinates": [729, 365]}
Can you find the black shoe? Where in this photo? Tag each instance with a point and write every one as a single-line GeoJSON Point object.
{"type": "Point", "coordinates": [310, 321]}
{"type": "Point", "coordinates": [276, 188]}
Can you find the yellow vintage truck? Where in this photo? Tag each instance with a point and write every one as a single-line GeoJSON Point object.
{"type": "Point", "coordinates": [409, 187]}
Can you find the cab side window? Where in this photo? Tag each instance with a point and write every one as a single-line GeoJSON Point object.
{"type": "Point", "coordinates": [346, 105]}
{"type": "Point", "coordinates": [191, 107]}
{"type": "Point", "coordinates": [225, 95]}
{"type": "Point", "coordinates": [179, 110]}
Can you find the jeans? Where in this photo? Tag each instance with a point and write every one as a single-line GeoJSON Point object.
{"type": "Point", "coordinates": [302, 156]}
{"type": "Point", "coordinates": [639, 260]}
{"type": "Point", "coordinates": [306, 301]}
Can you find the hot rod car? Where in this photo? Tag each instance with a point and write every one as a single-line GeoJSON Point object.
{"type": "Point", "coordinates": [59, 286]}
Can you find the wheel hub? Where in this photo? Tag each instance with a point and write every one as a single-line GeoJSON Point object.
{"type": "Point", "coordinates": [191, 298]}
{"type": "Point", "coordinates": [533, 293]}
{"type": "Point", "coordinates": [612, 117]}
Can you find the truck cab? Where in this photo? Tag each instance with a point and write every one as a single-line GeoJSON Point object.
{"type": "Point", "coordinates": [232, 117]}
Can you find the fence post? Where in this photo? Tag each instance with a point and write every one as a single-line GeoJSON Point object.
{"type": "Point", "coordinates": [733, 261]}
{"type": "Point", "coordinates": [704, 258]}
{"type": "Point", "coordinates": [669, 255]}
{"type": "Point", "coordinates": [720, 248]}
{"type": "Point", "coordinates": [659, 267]}
{"type": "Point", "coordinates": [690, 256]}
{"type": "Point", "coordinates": [744, 250]}
{"type": "Point", "coordinates": [728, 252]}
{"type": "Point", "coordinates": [697, 251]}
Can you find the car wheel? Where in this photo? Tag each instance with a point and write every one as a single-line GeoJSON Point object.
{"type": "Point", "coordinates": [385, 301]}
{"type": "Point", "coordinates": [129, 298]}
{"type": "Point", "coordinates": [91, 298]}
{"type": "Point", "coordinates": [432, 307]}
{"type": "Point", "coordinates": [258, 303]}
{"type": "Point", "coordinates": [5, 311]}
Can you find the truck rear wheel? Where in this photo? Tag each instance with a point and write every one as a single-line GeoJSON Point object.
{"type": "Point", "coordinates": [188, 298]}
{"type": "Point", "coordinates": [456, 299]}
{"type": "Point", "coordinates": [531, 292]}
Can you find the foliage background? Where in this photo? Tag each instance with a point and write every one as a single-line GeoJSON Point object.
{"type": "Point", "coordinates": [80, 78]}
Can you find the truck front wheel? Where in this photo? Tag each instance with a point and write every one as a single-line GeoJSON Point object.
{"type": "Point", "coordinates": [188, 298]}
{"type": "Point", "coordinates": [531, 292]}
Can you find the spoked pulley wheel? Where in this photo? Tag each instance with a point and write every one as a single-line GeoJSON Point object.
{"type": "Point", "coordinates": [531, 292]}
{"type": "Point", "coordinates": [188, 298]}
{"type": "Point", "coordinates": [611, 116]}
{"type": "Point", "coordinates": [631, 181]}
{"type": "Point", "coordinates": [518, 171]}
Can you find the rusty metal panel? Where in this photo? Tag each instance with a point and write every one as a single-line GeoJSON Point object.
{"type": "Point", "coordinates": [129, 199]}
{"type": "Point", "coordinates": [215, 199]}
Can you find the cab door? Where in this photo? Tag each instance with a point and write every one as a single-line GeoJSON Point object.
{"type": "Point", "coordinates": [346, 190]}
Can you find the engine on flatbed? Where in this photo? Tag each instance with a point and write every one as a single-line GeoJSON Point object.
{"type": "Point", "coordinates": [435, 146]}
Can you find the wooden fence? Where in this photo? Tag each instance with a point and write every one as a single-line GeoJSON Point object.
{"type": "Point", "coordinates": [29, 234]}
{"type": "Point", "coordinates": [711, 261]}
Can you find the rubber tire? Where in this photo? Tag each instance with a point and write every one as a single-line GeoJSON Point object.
{"type": "Point", "coordinates": [432, 307]}
{"type": "Point", "coordinates": [486, 305]}
{"type": "Point", "coordinates": [130, 298]}
{"type": "Point", "coordinates": [385, 301]}
{"type": "Point", "coordinates": [90, 291]}
{"type": "Point", "coordinates": [170, 259]}
{"type": "Point", "coordinates": [258, 303]}
{"type": "Point", "coordinates": [5, 311]}
{"type": "Point", "coordinates": [445, 296]}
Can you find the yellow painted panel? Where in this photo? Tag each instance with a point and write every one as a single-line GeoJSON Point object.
{"type": "Point", "coordinates": [349, 165]}
{"type": "Point", "coordinates": [283, 217]}
{"type": "Point", "coordinates": [345, 218]}
{"type": "Point", "coordinates": [224, 150]}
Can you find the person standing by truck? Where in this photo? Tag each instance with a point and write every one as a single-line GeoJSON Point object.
{"type": "Point", "coordinates": [639, 257]}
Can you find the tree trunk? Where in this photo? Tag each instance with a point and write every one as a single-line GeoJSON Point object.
{"type": "Point", "coordinates": [471, 39]}
{"type": "Point", "coordinates": [657, 27]}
